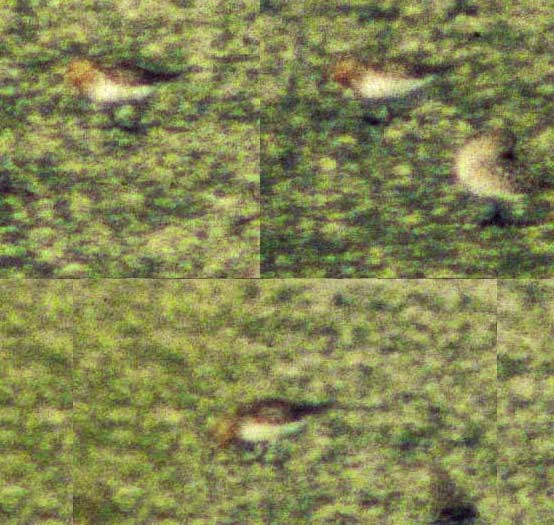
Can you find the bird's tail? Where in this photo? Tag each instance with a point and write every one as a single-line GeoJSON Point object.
{"type": "Point", "coordinates": [315, 408]}
{"type": "Point", "coordinates": [140, 92]}
{"type": "Point", "coordinates": [151, 76]}
{"type": "Point", "coordinates": [306, 409]}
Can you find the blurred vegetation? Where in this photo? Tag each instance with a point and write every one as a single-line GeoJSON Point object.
{"type": "Point", "coordinates": [413, 364]}
{"type": "Point", "coordinates": [36, 445]}
{"type": "Point", "coordinates": [344, 197]}
{"type": "Point", "coordinates": [140, 370]}
{"type": "Point", "coordinates": [525, 410]}
{"type": "Point", "coordinates": [166, 190]}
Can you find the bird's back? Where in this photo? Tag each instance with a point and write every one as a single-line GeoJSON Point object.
{"type": "Point", "coordinates": [280, 410]}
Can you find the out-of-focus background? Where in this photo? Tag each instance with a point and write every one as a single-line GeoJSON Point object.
{"type": "Point", "coordinates": [344, 197]}
{"type": "Point", "coordinates": [169, 189]}
{"type": "Point", "coordinates": [109, 389]}
{"type": "Point", "coordinates": [36, 402]}
{"type": "Point", "coordinates": [413, 366]}
{"type": "Point", "coordinates": [525, 393]}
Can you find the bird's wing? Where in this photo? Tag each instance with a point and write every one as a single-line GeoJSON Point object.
{"type": "Point", "coordinates": [132, 74]}
{"type": "Point", "coordinates": [269, 410]}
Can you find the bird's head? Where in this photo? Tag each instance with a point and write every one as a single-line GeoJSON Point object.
{"type": "Point", "coordinates": [347, 70]}
{"type": "Point", "coordinates": [81, 73]}
{"type": "Point", "coordinates": [224, 430]}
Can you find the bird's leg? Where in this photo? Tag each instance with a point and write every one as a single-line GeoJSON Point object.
{"type": "Point", "coordinates": [256, 453]}
{"type": "Point", "coordinates": [377, 116]}
{"type": "Point", "coordinates": [495, 216]}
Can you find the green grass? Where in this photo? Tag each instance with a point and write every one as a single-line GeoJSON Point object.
{"type": "Point", "coordinates": [36, 402]}
{"type": "Point", "coordinates": [526, 390]}
{"type": "Point", "coordinates": [154, 363]}
{"type": "Point", "coordinates": [84, 196]}
{"type": "Point", "coordinates": [108, 391]}
{"type": "Point", "coordinates": [158, 363]}
{"type": "Point", "coordinates": [344, 198]}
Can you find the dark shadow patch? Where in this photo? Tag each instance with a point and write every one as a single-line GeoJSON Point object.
{"type": "Point", "coordinates": [463, 514]}
{"type": "Point", "coordinates": [451, 502]}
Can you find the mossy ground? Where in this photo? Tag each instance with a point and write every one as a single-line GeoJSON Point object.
{"type": "Point", "coordinates": [345, 197]}
{"type": "Point", "coordinates": [167, 189]}
{"type": "Point", "coordinates": [36, 402]}
{"type": "Point", "coordinates": [139, 371]}
{"type": "Point", "coordinates": [526, 390]}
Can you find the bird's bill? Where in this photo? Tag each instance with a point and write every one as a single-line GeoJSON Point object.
{"type": "Point", "coordinates": [105, 91]}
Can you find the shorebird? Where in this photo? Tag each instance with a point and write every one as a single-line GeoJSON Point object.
{"type": "Point", "coordinates": [484, 168]}
{"type": "Point", "coordinates": [372, 83]}
{"type": "Point", "coordinates": [112, 86]}
{"type": "Point", "coordinates": [265, 421]}
{"type": "Point", "coordinates": [481, 165]}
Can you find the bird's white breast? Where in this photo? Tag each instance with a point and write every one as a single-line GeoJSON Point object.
{"type": "Point", "coordinates": [376, 85]}
{"type": "Point", "coordinates": [255, 431]}
{"type": "Point", "coordinates": [106, 91]}
{"type": "Point", "coordinates": [476, 170]}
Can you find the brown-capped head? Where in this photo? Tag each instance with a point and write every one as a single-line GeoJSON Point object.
{"type": "Point", "coordinates": [80, 73]}
{"type": "Point", "coordinates": [224, 430]}
{"type": "Point", "coordinates": [345, 71]}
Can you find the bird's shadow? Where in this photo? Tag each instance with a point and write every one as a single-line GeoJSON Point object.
{"type": "Point", "coordinates": [461, 514]}
{"type": "Point", "coordinates": [267, 454]}
{"type": "Point", "coordinates": [452, 505]}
